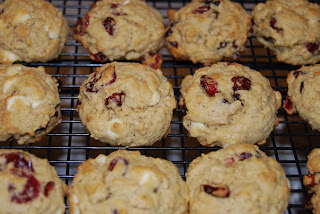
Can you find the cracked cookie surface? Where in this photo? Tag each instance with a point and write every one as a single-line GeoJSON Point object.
{"type": "Point", "coordinates": [229, 103]}
{"type": "Point", "coordinates": [31, 31]}
{"type": "Point", "coordinates": [127, 104]}
{"type": "Point", "coordinates": [127, 182]}
{"type": "Point", "coordinates": [29, 103]}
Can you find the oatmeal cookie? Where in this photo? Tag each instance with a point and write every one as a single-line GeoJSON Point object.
{"type": "Point", "coordinates": [31, 31]}
{"type": "Point", "coordinates": [29, 103]}
{"type": "Point", "coordinates": [290, 28]}
{"type": "Point", "coordinates": [29, 185]}
{"type": "Point", "coordinates": [208, 31]}
{"type": "Point", "coordinates": [127, 182]}
{"type": "Point", "coordinates": [229, 103]}
{"type": "Point", "coordinates": [124, 29]}
{"type": "Point", "coordinates": [127, 104]}
{"type": "Point", "coordinates": [238, 179]}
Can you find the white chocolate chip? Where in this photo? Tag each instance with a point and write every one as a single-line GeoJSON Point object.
{"type": "Point", "coordinates": [155, 98]}
{"type": "Point", "coordinates": [53, 35]}
{"type": "Point", "coordinates": [11, 101]}
{"type": "Point", "coordinates": [101, 159]}
{"type": "Point", "coordinates": [146, 177]}
{"type": "Point", "coordinates": [21, 16]}
{"type": "Point", "coordinates": [196, 127]}
{"type": "Point", "coordinates": [75, 199]}
{"type": "Point", "coordinates": [126, 2]}
{"type": "Point", "coordinates": [111, 126]}
{"type": "Point", "coordinates": [8, 56]}
{"type": "Point", "coordinates": [8, 84]}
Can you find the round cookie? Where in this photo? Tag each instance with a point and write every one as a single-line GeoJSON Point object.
{"type": "Point", "coordinates": [228, 103]}
{"type": "Point", "coordinates": [290, 28]}
{"type": "Point", "coordinates": [303, 94]}
{"type": "Point", "coordinates": [312, 181]}
{"type": "Point", "coordinates": [127, 104]}
{"type": "Point", "coordinates": [208, 31]}
{"type": "Point", "coordinates": [127, 182]}
{"type": "Point", "coordinates": [29, 185]}
{"type": "Point", "coordinates": [29, 103]}
{"type": "Point", "coordinates": [124, 29]}
{"type": "Point", "coordinates": [238, 179]}
{"type": "Point", "coordinates": [31, 31]}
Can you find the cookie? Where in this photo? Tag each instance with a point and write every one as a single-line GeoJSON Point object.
{"type": "Point", "coordinates": [29, 185]}
{"type": "Point", "coordinates": [238, 179]}
{"type": "Point", "coordinates": [290, 28]}
{"type": "Point", "coordinates": [31, 31]}
{"type": "Point", "coordinates": [207, 31]}
{"type": "Point", "coordinates": [29, 103]}
{"type": "Point", "coordinates": [228, 103]}
{"type": "Point", "coordinates": [124, 29]}
{"type": "Point", "coordinates": [312, 181]}
{"type": "Point", "coordinates": [303, 94]}
{"type": "Point", "coordinates": [127, 182]}
{"type": "Point", "coordinates": [126, 104]}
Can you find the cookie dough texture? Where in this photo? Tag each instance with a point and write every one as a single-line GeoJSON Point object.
{"type": "Point", "coordinates": [127, 182]}
{"type": "Point", "coordinates": [290, 28]}
{"type": "Point", "coordinates": [242, 109]}
{"type": "Point", "coordinates": [29, 103]}
{"type": "Point", "coordinates": [238, 179]}
{"type": "Point", "coordinates": [124, 29]}
{"type": "Point", "coordinates": [127, 104]}
{"type": "Point", "coordinates": [312, 181]}
{"type": "Point", "coordinates": [208, 31]}
{"type": "Point", "coordinates": [303, 92]}
{"type": "Point", "coordinates": [31, 31]}
{"type": "Point", "coordinates": [29, 185]}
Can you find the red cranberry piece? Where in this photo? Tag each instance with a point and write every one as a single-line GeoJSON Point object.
{"type": "Point", "coordinates": [31, 188]}
{"type": "Point", "coordinates": [90, 85]}
{"type": "Point", "coordinates": [117, 98]}
{"type": "Point", "coordinates": [236, 96]}
{"type": "Point", "coordinates": [201, 9]}
{"type": "Point", "coordinates": [215, 2]}
{"type": "Point", "coordinates": [223, 44]}
{"type": "Point", "coordinates": [19, 161]}
{"type": "Point", "coordinates": [241, 83]}
{"type": "Point", "coordinates": [184, 110]}
{"type": "Point", "coordinates": [99, 57]}
{"type": "Point", "coordinates": [229, 160]}
{"type": "Point", "coordinates": [288, 104]}
{"type": "Point", "coordinates": [169, 31]}
{"type": "Point", "coordinates": [297, 73]}
{"type": "Point", "coordinates": [308, 203]}
{"type": "Point", "coordinates": [312, 47]}
{"type": "Point", "coordinates": [109, 24]}
{"type": "Point", "coordinates": [301, 87]}
{"type": "Point", "coordinates": [234, 45]}
{"type": "Point", "coordinates": [273, 22]}
{"type": "Point", "coordinates": [174, 44]}
{"type": "Point", "coordinates": [114, 162]}
{"type": "Point", "coordinates": [210, 85]}
{"type": "Point", "coordinates": [49, 187]}
{"type": "Point", "coordinates": [244, 155]}
{"type": "Point", "coordinates": [154, 60]}
{"type": "Point", "coordinates": [221, 191]}
{"type": "Point", "coordinates": [115, 211]}
{"type": "Point", "coordinates": [114, 6]}
{"type": "Point", "coordinates": [313, 181]}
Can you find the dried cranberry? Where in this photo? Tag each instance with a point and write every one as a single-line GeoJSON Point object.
{"type": "Point", "coordinates": [90, 85]}
{"type": "Point", "coordinates": [109, 24]}
{"type": "Point", "coordinates": [114, 6]}
{"type": "Point", "coordinates": [241, 83]}
{"type": "Point", "coordinates": [174, 44]}
{"type": "Point", "coordinates": [201, 9]}
{"type": "Point", "coordinates": [297, 73]}
{"type": "Point", "coordinates": [184, 110]}
{"type": "Point", "coordinates": [99, 57]}
{"type": "Point", "coordinates": [115, 211]}
{"type": "Point", "coordinates": [49, 186]}
{"type": "Point", "coordinates": [312, 47]}
{"type": "Point", "coordinates": [114, 162]}
{"type": "Point", "coordinates": [31, 188]}
{"type": "Point", "coordinates": [313, 181]}
{"type": "Point", "coordinates": [117, 98]}
{"type": "Point", "coordinates": [169, 31]}
{"type": "Point", "coordinates": [215, 2]}
{"type": "Point", "coordinates": [154, 60]}
{"type": "Point", "coordinates": [223, 44]}
{"type": "Point", "coordinates": [243, 156]}
{"type": "Point", "coordinates": [221, 191]}
{"type": "Point", "coordinates": [308, 203]}
{"type": "Point", "coordinates": [210, 85]}
{"type": "Point", "coordinates": [301, 87]}
{"type": "Point", "coordinates": [273, 22]}
{"type": "Point", "coordinates": [229, 160]}
{"type": "Point", "coordinates": [288, 104]}
{"type": "Point", "coordinates": [234, 45]}
{"type": "Point", "coordinates": [19, 161]}
{"type": "Point", "coordinates": [236, 96]}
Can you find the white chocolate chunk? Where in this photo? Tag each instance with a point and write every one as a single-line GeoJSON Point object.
{"type": "Point", "coordinates": [11, 101]}
{"type": "Point", "coordinates": [21, 16]}
{"type": "Point", "coordinates": [155, 98]}
{"type": "Point", "coordinates": [8, 84]}
{"type": "Point", "coordinates": [101, 159]}
{"type": "Point", "coordinates": [8, 56]}
{"type": "Point", "coordinates": [111, 128]}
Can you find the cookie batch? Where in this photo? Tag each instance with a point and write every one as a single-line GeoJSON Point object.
{"type": "Point", "coordinates": [128, 104]}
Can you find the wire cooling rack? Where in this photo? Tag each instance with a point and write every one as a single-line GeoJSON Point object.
{"type": "Point", "coordinates": [68, 145]}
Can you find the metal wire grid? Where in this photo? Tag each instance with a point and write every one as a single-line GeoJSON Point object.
{"type": "Point", "coordinates": [69, 144]}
